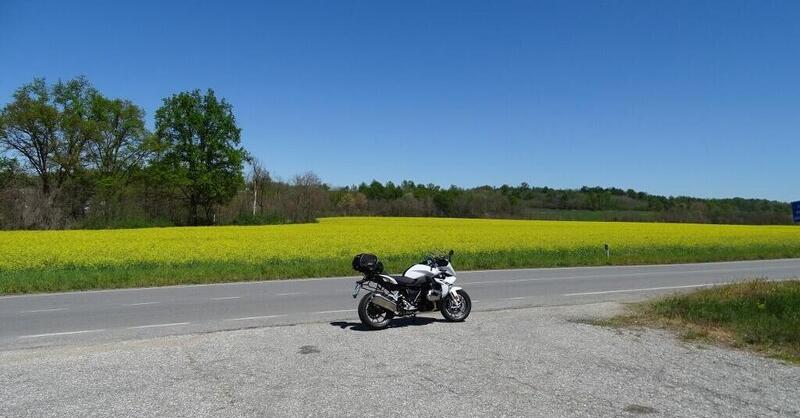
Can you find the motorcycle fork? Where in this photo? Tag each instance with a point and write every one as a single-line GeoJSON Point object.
{"type": "Point", "coordinates": [456, 297]}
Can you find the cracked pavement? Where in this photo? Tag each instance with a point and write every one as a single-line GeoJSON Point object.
{"type": "Point", "coordinates": [521, 362]}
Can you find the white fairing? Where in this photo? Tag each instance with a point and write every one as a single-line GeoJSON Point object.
{"type": "Point", "coordinates": [447, 281]}
{"type": "Point", "coordinates": [423, 270]}
{"type": "Point", "coordinates": [450, 274]}
{"type": "Point", "coordinates": [448, 269]}
{"type": "Point", "coordinates": [445, 288]}
{"type": "Point", "coordinates": [419, 270]}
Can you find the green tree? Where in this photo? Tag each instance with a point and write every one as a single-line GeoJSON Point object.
{"type": "Point", "coordinates": [119, 146]}
{"type": "Point", "coordinates": [73, 99]}
{"type": "Point", "coordinates": [198, 151]}
{"type": "Point", "coordinates": [29, 128]}
{"type": "Point", "coordinates": [48, 127]}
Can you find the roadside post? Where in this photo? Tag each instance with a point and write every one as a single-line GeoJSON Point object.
{"type": "Point", "coordinates": [796, 211]}
{"type": "Point", "coordinates": [608, 250]}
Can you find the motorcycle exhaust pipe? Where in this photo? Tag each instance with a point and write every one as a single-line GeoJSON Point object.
{"type": "Point", "coordinates": [384, 303]}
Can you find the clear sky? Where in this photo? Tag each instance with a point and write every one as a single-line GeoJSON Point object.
{"type": "Point", "coordinates": [669, 97]}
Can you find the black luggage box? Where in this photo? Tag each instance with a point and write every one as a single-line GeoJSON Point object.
{"type": "Point", "coordinates": [367, 263]}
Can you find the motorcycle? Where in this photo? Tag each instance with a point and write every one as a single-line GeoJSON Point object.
{"type": "Point", "coordinates": [423, 287]}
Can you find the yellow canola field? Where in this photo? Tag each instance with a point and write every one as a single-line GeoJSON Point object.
{"type": "Point", "coordinates": [344, 237]}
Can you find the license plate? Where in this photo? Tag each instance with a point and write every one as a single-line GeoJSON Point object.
{"type": "Point", "coordinates": [356, 288]}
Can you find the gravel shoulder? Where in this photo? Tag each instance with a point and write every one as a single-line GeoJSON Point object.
{"type": "Point", "coordinates": [522, 362]}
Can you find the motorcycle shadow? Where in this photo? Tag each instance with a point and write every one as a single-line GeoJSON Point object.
{"type": "Point", "coordinates": [396, 323]}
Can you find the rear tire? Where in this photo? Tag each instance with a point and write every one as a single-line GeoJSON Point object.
{"type": "Point", "coordinates": [454, 311]}
{"type": "Point", "coordinates": [373, 316]}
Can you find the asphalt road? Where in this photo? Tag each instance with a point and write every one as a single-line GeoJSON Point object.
{"type": "Point", "coordinates": [534, 362]}
{"type": "Point", "coordinates": [66, 318]}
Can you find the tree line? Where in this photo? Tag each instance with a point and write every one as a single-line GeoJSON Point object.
{"type": "Point", "coordinates": [586, 203]}
{"type": "Point", "coordinates": [70, 157]}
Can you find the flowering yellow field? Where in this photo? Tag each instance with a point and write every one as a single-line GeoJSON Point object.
{"type": "Point", "coordinates": [340, 238]}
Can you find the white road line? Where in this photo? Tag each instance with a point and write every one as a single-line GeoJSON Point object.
{"type": "Point", "coordinates": [643, 289]}
{"type": "Point", "coordinates": [248, 318]}
{"type": "Point", "coordinates": [226, 298]}
{"type": "Point", "coordinates": [56, 334]}
{"type": "Point", "coordinates": [140, 303]}
{"type": "Point", "coordinates": [605, 276]}
{"type": "Point", "coordinates": [289, 294]}
{"type": "Point", "coordinates": [339, 311]}
{"type": "Point", "coordinates": [175, 324]}
{"type": "Point", "coordinates": [516, 298]}
{"type": "Point", "coordinates": [44, 310]}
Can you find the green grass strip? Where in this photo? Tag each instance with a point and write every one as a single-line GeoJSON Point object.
{"type": "Point", "coordinates": [758, 315]}
{"type": "Point", "coordinates": [77, 277]}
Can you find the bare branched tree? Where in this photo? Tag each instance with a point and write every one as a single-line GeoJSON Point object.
{"type": "Point", "coordinates": [259, 181]}
{"type": "Point", "coordinates": [309, 196]}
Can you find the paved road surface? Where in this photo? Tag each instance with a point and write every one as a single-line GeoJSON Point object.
{"type": "Point", "coordinates": [65, 318]}
{"type": "Point", "coordinates": [535, 362]}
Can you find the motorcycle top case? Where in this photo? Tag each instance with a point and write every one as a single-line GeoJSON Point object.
{"type": "Point", "coordinates": [366, 263]}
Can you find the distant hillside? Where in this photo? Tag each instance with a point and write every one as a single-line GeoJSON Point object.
{"type": "Point", "coordinates": [525, 201]}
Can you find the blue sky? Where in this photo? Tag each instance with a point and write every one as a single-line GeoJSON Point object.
{"type": "Point", "coordinates": [669, 97]}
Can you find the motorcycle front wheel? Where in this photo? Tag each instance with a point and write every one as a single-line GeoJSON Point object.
{"type": "Point", "coordinates": [456, 310]}
{"type": "Point", "coordinates": [371, 315]}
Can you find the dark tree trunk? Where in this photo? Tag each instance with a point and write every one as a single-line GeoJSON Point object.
{"type": "Point", "coordinates": [194, 206]}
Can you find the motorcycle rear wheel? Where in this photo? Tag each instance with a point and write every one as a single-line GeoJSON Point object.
{"type": "Point", "coordinates": [371, 315]}
{"type": "Point", "coordinates": [456, 311]}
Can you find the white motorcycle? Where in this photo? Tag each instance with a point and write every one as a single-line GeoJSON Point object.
{"type": "Point", "coordinates": [423, 287]}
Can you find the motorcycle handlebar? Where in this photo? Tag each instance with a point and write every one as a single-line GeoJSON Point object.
{"type": "Point", "coordinates": [432, 261]}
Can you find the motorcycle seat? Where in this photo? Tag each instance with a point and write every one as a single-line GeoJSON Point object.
{"type": "Point", "coordinates": [409, 282]}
